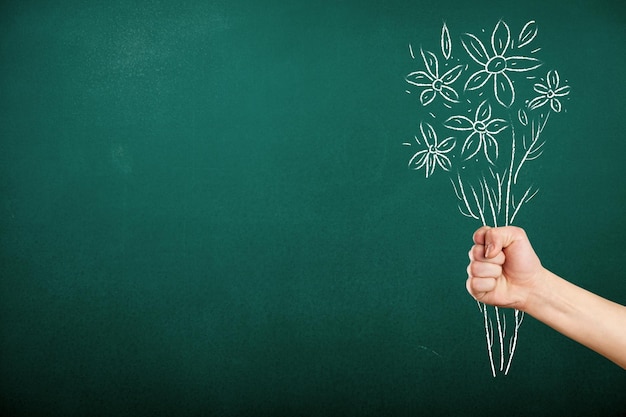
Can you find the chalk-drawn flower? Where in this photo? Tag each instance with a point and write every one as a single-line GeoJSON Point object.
{"type": "Point", "coordinates": [482, 128]}
{"type": "Point", "coordinates": [435, 152]}
{"type": "Point", "coordinates": [550, 92]}
{"type": "Point", "coordinates": [433, 82]}
{"type": "Point", "coordinates": [496, 66]}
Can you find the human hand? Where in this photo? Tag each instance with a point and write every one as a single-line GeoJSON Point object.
{"type": "Point", "coordinates": [503, 268]}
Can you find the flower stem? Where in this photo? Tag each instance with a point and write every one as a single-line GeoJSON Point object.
{"type": "Point", "coordinates": [510, 177]}
{"type": "Point", "coordinates": [531, 149]}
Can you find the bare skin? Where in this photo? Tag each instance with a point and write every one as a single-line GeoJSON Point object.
{"type": "Point", "coordinates": [505, 271]}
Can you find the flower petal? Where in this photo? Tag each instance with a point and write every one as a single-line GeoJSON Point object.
{"type": "Point", "coordinates": [418, 160]}
{"type": "Point", "coordinates": [490, 146]}
{"type": "Point", "coordinates": [471, 146]}
{"type": "Point", "coordinates": [522, 63]}
{"type": "Point", "coordinates": [537, 102]}
{"type": "Point", "coordinates": [553, 80]}
{"type": "Point", "coordinates": [475, 48]}
{"type": "Point", "coordinates": [500, 38]}
{"type": "Point", "coordinates": [477, 80]}
{"type": "Point", "coordinates": [449, 94]}
{"type": "Point", "coordinates": [446, 146]}
{"type": "Point", "coordinates": [503, 89]}
{"type": "Point", "coordinates": [427, 96]}
{"type": "Point", "coordinates": [432, 65]}
{"type": "Point", "coordinates": [563, 91]}
{"type": "Point", "coordinates": [428, 133]}
{"type": "Point", "coordinates": [459, 123]}
{"type": "Point", "coordinates": [443, 161]}
{"type": "Point", "coordinates": [483, 112]}
{"type": "Point", "coordinates": [496, 126]}
{"type": "Point", "coordinates": [556, 105]}
{"type": "Point", "coordinates": [540, 88]}
{"type": "Point", "coordinates": [452, 75]}
{"type": "Point", "coordinates": [419, 78]}
{"type": "Point", "coordinates": [430, 166]}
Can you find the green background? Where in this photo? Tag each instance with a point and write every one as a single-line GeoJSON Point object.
{"type": "Point", "coordinates": [205, 209]}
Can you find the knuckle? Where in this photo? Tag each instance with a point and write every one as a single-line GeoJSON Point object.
{"type": "Point", "coordinates": [476, 252]}
{"type": "Point", "coordinates": [474, 269]}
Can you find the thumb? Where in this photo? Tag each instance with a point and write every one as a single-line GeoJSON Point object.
{"type": "Point", "coordinates": [498, 239]}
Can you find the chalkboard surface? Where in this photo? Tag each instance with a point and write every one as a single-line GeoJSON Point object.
{"type": "Point", "coordinates": [206, 209]}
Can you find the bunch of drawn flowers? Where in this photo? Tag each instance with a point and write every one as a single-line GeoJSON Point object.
{"type": "Point", "coordinates": [489, 91]}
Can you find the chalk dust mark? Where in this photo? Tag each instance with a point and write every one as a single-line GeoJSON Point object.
{"type": "Point", "coordinates": [426, 348]}
{"type": "Point", "coordinates": [121, 159]}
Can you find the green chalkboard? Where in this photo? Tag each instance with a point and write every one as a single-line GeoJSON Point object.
{"type": "Point", "coordinates": [206, 207]}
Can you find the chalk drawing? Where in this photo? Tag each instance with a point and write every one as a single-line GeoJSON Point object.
{"type": "Point", "coordinates": [434, 153]}
{"type": "Point", "coordinates": [470, 92]}
{"type": "Point", "coordinates": [432, 81]}
{"type": "Point", "coordinates": [496, 66]}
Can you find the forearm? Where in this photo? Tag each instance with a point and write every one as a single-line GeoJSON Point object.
{"type": "Point", "coordinates": [591, 320]}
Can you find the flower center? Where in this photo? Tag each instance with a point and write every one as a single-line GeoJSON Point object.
{"type": "Point", "coordinates": [496, 65]}
{"type": "Point", "coordinates": [437, 84]}
{"type": "Point", "coordinates": [480, 127]}
{"type": "Point", "coordinates": [432, 149]}
{"type": "Point", "coordinates": [550, 94]}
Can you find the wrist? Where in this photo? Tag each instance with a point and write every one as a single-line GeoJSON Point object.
{"type": "Point", "coordinates": [539, 293]}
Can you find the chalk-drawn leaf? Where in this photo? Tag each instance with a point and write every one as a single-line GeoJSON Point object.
{"type": "Point", "coordinates": [427, 96]}
{"type": "Point", "coordinates": [491, 149]}
{"type": "Point", "coordinates": [500, 38]}
{"type": "Point", "coordinates": [432, 65]}
{"type": "Point", "coordinates": [522, 63]}
{"type": "Point", "coordinates": [475, 48]}
{"type": "Point", "coordinates": [523, 117]}
{"type": "Point", "coordinates": [446, 43]}
{"type": "Point", "coordinates": [503, 89]}
{"type": "Point", "coordinates": [452, 75]}
{"type": "Point", "coordinates": [528, 33]}
{"type": "Point", "coordinates": [530, 197]}
{"type": "Point", "coordinates": [477, 80]}
{"type": "Point", "coordinates": [449, 94]}
{"type": "Point", "coordinates": [536, 151]}
{"type": "Point", "coordinates": [471, 146]}
{"type": "Point", "coordinates": [483, 112]}
{"type": "Point", "coordinates": [419, 79]}
{"type": "Point", "coordinates": [459, 123]}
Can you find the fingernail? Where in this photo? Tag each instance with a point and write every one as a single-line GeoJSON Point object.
{"type": "Point", "coordinates": [487, 249]}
